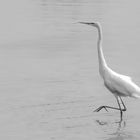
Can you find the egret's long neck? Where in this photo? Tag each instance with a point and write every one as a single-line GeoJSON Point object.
{"type": "Point", "coordinates": [102, 62]}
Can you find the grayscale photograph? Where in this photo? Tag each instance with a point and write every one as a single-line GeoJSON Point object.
{"type": "Point", "coordinates": [69, 70]}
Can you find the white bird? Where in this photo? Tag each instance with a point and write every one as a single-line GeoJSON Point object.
{"type": "Point", "coordinates": [120, 85]}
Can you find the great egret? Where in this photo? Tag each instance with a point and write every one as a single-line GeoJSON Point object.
{"type": "Point", "coordinates": [120, 85]}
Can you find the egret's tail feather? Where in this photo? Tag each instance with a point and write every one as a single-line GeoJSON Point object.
{"type": "Point", "coordinates": [136, 96]}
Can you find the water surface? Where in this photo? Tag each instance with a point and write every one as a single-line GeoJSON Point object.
{"type": "Point", "coordinates": [49, 80]}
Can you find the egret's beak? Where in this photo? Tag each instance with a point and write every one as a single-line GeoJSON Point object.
{"type": "Point", "coordinates": [88, 23]}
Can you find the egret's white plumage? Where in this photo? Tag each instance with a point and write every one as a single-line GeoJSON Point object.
{"type": "Point", "coordinates": [118, 84]}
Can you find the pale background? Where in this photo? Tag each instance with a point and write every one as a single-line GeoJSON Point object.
{"type": "Point", "coordinates": [49, 80]}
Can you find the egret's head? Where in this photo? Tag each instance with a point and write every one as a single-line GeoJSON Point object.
{"type": "Point", "coordinates": [94, 24]}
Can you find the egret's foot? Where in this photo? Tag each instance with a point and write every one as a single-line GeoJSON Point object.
{"type": "Point", "coordinates": [101, 107]}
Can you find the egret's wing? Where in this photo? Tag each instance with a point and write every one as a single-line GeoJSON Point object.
{"type": "Point", "coordinates": [121, 75]}
{"type": "Point", "coordinates": [135, 95]}
{"type": "Point", "coordinates": [126, 77]}
{"type": "Point", "coordinates": [126, 87]}
{"type": "Point", "coordinates": [122, 84]}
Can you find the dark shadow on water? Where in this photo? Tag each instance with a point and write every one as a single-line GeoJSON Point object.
{"type": "Point", "coordinates": [115, 130]}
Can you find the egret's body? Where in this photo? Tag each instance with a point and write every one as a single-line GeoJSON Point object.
{"type": "Point", "coordinates": [120, 85]}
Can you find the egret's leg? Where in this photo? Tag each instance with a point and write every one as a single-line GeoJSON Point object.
{"type": "Point", "coordinates": [121, 110]}
{"type": "Point", "coordinates": [105, 107]}
{"type": "Point", "coordinates": [124, 109]}
{"type": "Point", "coordinates": [121, 113]}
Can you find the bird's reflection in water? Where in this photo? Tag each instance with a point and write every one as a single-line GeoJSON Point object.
{"type": "Point", "coordinates": [116, 130]}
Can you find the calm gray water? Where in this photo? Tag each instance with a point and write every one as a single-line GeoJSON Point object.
{"type": "Point", "coordinates": [49, 80]}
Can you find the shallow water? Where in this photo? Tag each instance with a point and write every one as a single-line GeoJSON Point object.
{"type": "Point", "coordinates": [49, 80]}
